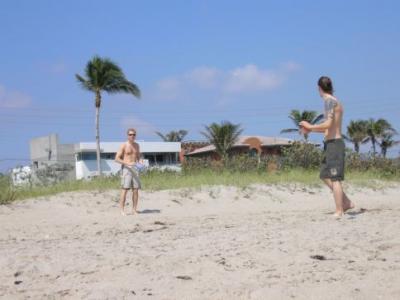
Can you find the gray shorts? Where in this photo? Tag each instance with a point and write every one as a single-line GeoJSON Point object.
{"type": "Point", "coordinates": [130, 179]}
{"type": "Point", "coordinates": [333, 161]}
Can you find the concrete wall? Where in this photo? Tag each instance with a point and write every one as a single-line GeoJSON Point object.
{"type": "Point", "coordinates": [44, 148]}
{"type": "Point", "coordinates": [46, 151]}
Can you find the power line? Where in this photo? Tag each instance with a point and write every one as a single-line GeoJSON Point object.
{"type": "Point", "coordinates": [181, 111]}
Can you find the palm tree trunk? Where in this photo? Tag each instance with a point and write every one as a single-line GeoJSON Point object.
{"type": "Point", "coordinates": [98, 103]}
{"type": "Point", "coordinates": [373, 146]}
{"type": "Point", "coordinates": [357, 147]}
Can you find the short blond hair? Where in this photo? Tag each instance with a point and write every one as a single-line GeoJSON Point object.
{"type": "Point", "coordinates": [131, 129]}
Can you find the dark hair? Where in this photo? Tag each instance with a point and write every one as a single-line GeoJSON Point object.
{"type": "Point", "coordinates": [325, 83]}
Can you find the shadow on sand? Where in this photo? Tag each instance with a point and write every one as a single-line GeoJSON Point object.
{"type": "Point", "coordinates": [357, 212]}
{"type": "Point", "coordinates": [149, 211]}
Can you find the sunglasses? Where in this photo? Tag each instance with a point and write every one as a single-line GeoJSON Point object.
{"type": "Point", "coordinates": [132, 134]}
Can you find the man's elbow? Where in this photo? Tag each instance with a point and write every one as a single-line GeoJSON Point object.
{"type": "Point", "coordinates": [328, 124]}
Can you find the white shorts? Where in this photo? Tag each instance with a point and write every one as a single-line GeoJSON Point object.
{"type": "Point", "coordinates": [130, 179]}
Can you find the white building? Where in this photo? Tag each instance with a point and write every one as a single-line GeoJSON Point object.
{"type": "Point", "coordinates": [77, 161]}
{"type": "Point", "coordinates": [163, 155]}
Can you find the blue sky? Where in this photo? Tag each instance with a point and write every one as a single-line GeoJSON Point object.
{"type": "Point", "coordinates": [196, 62]}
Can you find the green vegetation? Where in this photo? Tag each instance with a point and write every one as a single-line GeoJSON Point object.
{"type": "Point", "coordinates": [7, 193]}
{"type": "Point", "coordinates": [241, 172]}
{"type": "Point", "coordinates": [173, 136]}
{"type": "Point", "coordinates": [223, 136]}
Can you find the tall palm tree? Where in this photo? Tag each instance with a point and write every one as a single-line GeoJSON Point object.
{"type": "Point", "coordinates": [357, 133]}
{"type": "Point", "coordinates": [376, 130]}
{"type": "Point", "coordinates": [223, 136]}
{"type": "Point", "coordinates": [386, 141]}
{"type": "Point", "coordinates": [173, 136]}
{"type": "Point", "coordinates": [102, 74]}
{"type": "Point", "coordinates": [297, 116]}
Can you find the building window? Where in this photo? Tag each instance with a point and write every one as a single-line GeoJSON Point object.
{"type": "Point", "coordinates": [253, 152]}
{"type": "Point", "coordinates": [161, 158]}
{"type": "Point", "coordinates": [93, 156]}
{"type": "Point", "coordinates": [107, 155]}
{"type": "Point", "coordinates": [149, 157]}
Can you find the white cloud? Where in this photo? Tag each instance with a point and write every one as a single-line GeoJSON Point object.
{"type": "Point", "coordinates": [249, 78]}
{"type": "Point", "coordinates": [252, 79]}
{"type": "Point", "coordinates": [143, 128]}
{"type": "Point", "coordinates": [13, 99]}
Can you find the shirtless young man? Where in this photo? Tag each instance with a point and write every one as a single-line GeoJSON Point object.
{"type": "Point", "coordinates": [128, 155]}
{"type": "Point", "coordinates": [332, 169]}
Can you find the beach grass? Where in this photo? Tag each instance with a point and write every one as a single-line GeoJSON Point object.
{"type": "Point", "coordinates": [156, 180]}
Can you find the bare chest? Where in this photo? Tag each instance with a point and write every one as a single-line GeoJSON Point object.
{"type": "Point", "coordinates": [130, 150]}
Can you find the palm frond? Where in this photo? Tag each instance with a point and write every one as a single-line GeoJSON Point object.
{"type": "Point", "coordinates": [317, 119]}
{"type": "Point", "coordinates": [161, 136]}
{"type": "Point", "coordinates": [289, 130]}
{"type": "Point", "coordinates": [85, 84]}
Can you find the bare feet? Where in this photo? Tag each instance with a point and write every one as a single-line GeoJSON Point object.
{"type": "Point", "coordinates": [123, 213]}
{"type": "Point", "coordinates": [134, 212]}
{"type": "Point", "coordinates": [338, 215]}
{"type": "Point", "coordinates": [347, 206]}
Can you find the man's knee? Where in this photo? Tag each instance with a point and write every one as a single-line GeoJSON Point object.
{"type": "Point", "coordinates": [327, 181]}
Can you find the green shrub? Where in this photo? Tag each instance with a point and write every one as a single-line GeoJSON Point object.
{"type": "Point", "coordinates": [385, 167]}
{"type": "Point", "coordinates": [7, 192]}
{"type": "Point", "coordinates": [301, 155]}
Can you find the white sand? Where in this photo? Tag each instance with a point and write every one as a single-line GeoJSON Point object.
{"type": "Point", "coordinates": [230, 243]}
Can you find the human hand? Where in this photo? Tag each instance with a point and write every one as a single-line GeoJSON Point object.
{"type": "Point", "coordinates": [304, 130]}
{"type": "Point", "coordinates": [305, 125]}
{"type": "Point", "coordinates": [128, 166]}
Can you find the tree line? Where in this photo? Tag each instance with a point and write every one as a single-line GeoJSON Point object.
{"type": "Point", "coordinates": [104, 75]}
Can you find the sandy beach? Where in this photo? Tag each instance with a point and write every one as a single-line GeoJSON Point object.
{"type": "Point", "coordinates": [260, 242]}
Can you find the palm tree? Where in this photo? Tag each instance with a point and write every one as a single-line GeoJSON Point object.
{"type": "Point", "coordinates": [296, 116]}
{"type": "Point", "coordinates": [357, 133]}
{"type": "Point", "coordinates": [173, 136]}
{"type": "Point", "coordinates": [376, 130]}
{"type": "Point", "coordinates": [223, 136]}
{"type": "Point", "coordinates": [102, 74]}
{"type": "Point", "coordinates": [386, 141]}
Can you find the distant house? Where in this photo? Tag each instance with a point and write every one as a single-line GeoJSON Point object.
{"type": "Point", "coordinates": [190, 146]}
{"type": "Point", "coordinates": [79, 160]}
{"type": "Point", "coordinates": [251, 145]}
{"type": "Point", "coordinates": [162, 155]}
